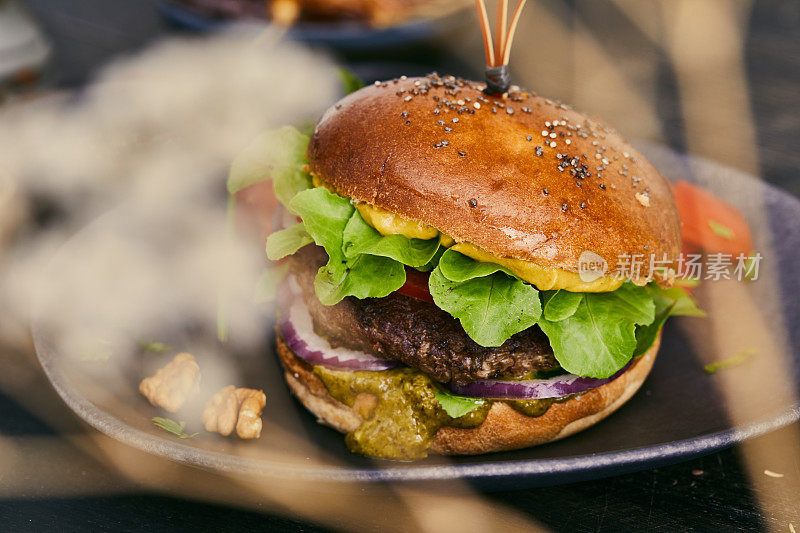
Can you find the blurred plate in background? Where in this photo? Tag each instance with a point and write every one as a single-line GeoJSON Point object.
{"type": "Point", "coordinates": [340, 35]}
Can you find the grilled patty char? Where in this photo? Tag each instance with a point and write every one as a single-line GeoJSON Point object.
{"type": "Point", "coordinates": [417, 333]}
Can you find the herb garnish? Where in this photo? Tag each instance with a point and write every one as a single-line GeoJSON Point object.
{"type": "Point", "coordinates": [736, 360]}
{"type": "Point", "coordinates": [723, 231]}
{"type": "Point", "coordinates": [176, 428]}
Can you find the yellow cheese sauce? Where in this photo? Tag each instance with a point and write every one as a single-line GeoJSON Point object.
{"type": "Point", "coordinates": [543, 278]}
{"type": "Point", "coordinates": [388, 223]}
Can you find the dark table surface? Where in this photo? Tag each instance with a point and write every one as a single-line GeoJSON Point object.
{"type": "Point", "coordinates": [57, 474]}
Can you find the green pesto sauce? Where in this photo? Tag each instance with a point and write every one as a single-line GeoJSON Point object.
{"type": "Point", "coordinates": [407, 415]}
{"type": "Point", "coordinates": [537, 407]}
{"type": "Point", "coordinates": [531, 407]}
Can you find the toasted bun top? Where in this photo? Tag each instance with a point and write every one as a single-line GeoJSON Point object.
{"type": "Point", "coordinates": [518, 175]}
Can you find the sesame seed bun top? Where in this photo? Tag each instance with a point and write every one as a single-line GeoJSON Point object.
{"type": "Point", "coordinates": [518, 175]}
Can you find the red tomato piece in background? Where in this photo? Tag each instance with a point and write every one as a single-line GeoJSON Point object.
{"type": "Point", "coordinates": [709, 224]}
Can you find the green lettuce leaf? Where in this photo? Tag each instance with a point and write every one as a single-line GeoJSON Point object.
{"type": "Point", "coordinates": [365, 276]}
{"type": "Point", "coordinates": [325, 217]}
{"type": "Point", "coordinates": [434, 262]}
{"type": "Point", "coordinates": [560, 304]}
{"type": "Point", "coordinates": [490, 307]}
{"type": "Point", "coordinates": [629, 302]}
{"type": "Point", "coordinates": [361, 238]}
{"type": "Point", "coordinates": [278, 155]}
{"type": "Point", "coordinates": [668, 302]}
{"type": "Point", "coordinates": [456, 266]}
{"type": "Point", "coordinates": [287, 241]}
{"type": "Point", "coordinates": [599, 337]}
{"type": "Point", "coordinates": [684, 305]}
{"type": "Point", "coordinates": [350, 82]}
{"type": "Point", "coordinates": [457, 406]}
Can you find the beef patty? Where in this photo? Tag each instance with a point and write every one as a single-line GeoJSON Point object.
{"type": "Point", "coordinates": [417, 333]}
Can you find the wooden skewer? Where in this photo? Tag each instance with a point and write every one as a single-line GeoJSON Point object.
{"type": "Point", "coordinates": [500, 30]}
{"type": "Point", "coordinates": [498, 51]}
{"type": "Point", "coordinates": [506, 56]}
{"type": "Point", "coordinates": [487, 35]}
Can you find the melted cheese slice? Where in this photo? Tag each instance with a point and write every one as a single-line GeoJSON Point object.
{"type": "Point", "coordinates": [388, 223]}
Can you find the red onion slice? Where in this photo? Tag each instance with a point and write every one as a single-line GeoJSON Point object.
{"type": "Point", "coordinates": [533, 389]}
{"type": "Point", "coordinates": [297, 331]}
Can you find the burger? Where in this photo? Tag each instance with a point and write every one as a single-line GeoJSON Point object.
{"type": "Point", "coordinates": [466, 272]}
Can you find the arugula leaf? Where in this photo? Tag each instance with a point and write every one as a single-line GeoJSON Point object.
{"type": "Point", "coordinates": [456, 266]}
{"type": "Point", "coordinates": [278, 155]}
{"type": "Point", "coordinates": [176, 428]}
{"type": "Point", "coordinates": [456, 406]}
{"type": "Point", "coordinates": [490, 308]}
{"type": "Point", "coordinates": [684, 304]}
{"type": "Point", "coordinates": [287, 241]}
{"type": "Point", "coordinates": [720, 229]}
{"type": "Point", "coordinates": [736, 360]}
{"type": "Point", "coordinates": [560, 304]}
{"type": "Point", "coordinates": [668, 302]}
{"type": "Point", "coordinates": [599, 337]}
{"type": "Point", "coordinates": [350, 82]}
{"type": "Point", "coordinates": [306, 126]}
{"type": "Point", "coordinates": [646, 334]}
{"type": "Point", "coordinates": [361, 238]}
{"type": "Point", "coordinates": [365, 276]}
{"type": "Point", "coordinates": [325, 216]}
{"type": "Point", "coordinates": [434, 262]}
{"type": "Point", "coordinates": [629, 302]}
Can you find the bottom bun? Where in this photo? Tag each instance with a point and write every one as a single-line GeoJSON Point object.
{"type": "Point", "coordinates": [503, 429]}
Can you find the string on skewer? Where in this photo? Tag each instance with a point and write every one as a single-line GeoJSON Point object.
{"type": "Point", "coordinates": [498, 52]}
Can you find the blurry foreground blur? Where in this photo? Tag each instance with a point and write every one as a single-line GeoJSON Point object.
{"type": "Point", "coordinates": [144, 150]}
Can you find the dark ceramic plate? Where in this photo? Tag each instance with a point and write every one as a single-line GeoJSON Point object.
{"type": "Point", "coordinates": [680, 413]}
{"type": "Point", "coordinates": [346, 35]}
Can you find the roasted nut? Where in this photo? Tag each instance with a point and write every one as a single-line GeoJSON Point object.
{"type": "Point", "coordinates": [235, 408]}
{"type": "Point", "coordinates": [172, 385]}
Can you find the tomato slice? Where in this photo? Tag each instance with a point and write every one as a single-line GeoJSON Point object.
{"type": "Point", "coordinates": [709, 224]}
{"type": "Point", "coordinates": [416, 285]}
